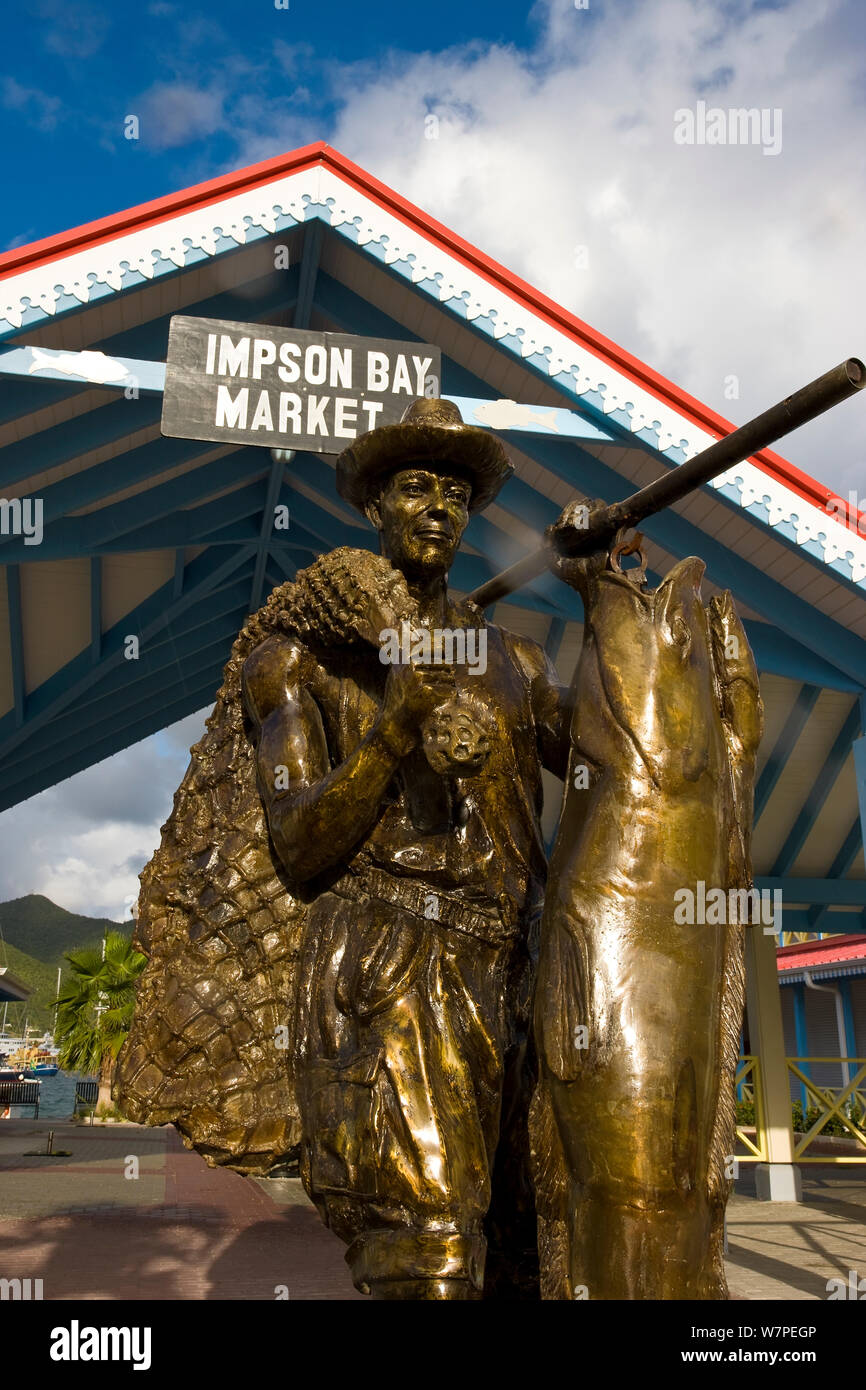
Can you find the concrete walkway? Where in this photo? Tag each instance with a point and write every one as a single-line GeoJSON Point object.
{"type": "Point", "coordinates": [790, 1249]}
{"type": "Point", "coordinates": [176, 1229]}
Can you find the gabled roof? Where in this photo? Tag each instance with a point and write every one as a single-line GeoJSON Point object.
{"type": "Point", "coordinates": [834, 958]}
{"type": "Point", "coordinates": [830, 951]}
{"type": "Point", "coordinates": [167, 539]}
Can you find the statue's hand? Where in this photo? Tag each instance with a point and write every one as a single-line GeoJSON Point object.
{"type": "Point", "coordinates": [412, 692]}
{"type": "Point", "coordinates": [576, 516]}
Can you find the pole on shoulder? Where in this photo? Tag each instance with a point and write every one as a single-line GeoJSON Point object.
{"type": "Point", "coordinates": [795, 410]}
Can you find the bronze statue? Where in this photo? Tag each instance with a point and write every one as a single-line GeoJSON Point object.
{"type": "Point", "coordinates": [638, 1005]}
{"type": "Point", "coordinates": [342, 917]}
{"type": "Point", "coordinates": [398, 893]}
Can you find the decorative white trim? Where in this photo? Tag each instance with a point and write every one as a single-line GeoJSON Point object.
{"type": "Point", "coordinates": [33, 296]}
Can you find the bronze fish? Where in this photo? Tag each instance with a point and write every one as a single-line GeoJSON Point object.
{"type": "Point", "coordinates": [637, 1012]}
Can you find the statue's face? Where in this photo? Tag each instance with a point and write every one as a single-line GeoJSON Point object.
{"type": "Point", "coordinates": [421, 516]}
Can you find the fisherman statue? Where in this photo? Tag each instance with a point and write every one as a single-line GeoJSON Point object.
{"type": "Point", "coordinates": [342, 917]}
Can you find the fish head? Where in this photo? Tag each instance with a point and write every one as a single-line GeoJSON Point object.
{"type": "Point", "coordinates": [654, 674]}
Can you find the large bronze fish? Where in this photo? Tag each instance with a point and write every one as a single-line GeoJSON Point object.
{"type": "Point", "coordinates": [638, 1012]}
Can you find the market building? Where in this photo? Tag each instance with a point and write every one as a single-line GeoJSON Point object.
{"type": "Point", "coordinates": [130, 560]}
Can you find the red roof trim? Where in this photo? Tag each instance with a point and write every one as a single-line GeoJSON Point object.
{"type": "Point", "coordinates": [54, 248]}
{"type": "Point", "coordinates": [806, 954]}
{"type": "Point", "coordinates": [217, 190]}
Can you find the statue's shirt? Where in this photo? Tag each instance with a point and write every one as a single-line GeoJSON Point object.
{"type": "Point", "coordinates": [479, 836]}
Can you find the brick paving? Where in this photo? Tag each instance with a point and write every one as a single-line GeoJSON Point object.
{"type": "Point", "coordinates": [181, 1230]}
{"type": "Point", "coordinates": [790, 1250]}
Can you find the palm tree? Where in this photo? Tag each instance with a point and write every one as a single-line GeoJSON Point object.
{"type": "Point", "coordinates": [94, 1010]}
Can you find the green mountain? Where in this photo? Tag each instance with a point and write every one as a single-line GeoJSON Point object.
{"type": "Point", "coordinates": [38, 934]}
{"type": "Point", "coordinates": [40, 928]}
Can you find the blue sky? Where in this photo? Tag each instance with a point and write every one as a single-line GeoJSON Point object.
{"type": "Point", "coordinates": [206, 81]}
{"type": "Point", "coordinates": [555, 153]}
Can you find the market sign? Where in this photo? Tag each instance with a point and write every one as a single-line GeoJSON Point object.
{"type": "Point", "coordinates": [254, 383]}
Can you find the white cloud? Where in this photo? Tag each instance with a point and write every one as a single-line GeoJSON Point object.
{"type": "Point", "coordinates": [704, 261]}
{"type": "Point", "coordinates": [84, 842]}
{"type": "Point", "coordinates": [174, 113]}
{"type": "Point", "coordinates": [40, 108]}
{"type": "Point", "coordinates": [73, 32]}
{"type": "Point", "coordinates": [708, 262]}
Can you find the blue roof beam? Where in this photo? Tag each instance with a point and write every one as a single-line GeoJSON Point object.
{"type": "Point", "coordinates": [99, 703]}
{"type": "Point", "coordinates": [88, 368]}
{"type": "Point", "coordinates": [266, 528]}
{"type": "Point", "coordinates": [840, 892]}
{"type": "Point", "coordinates": [115, 712]}
{"type": "Point", "coordinates": [824, 783]}
{"type": "Point", "coordinates": [784, 746]}
{"type": "Point", "coordinates": [149, 618]}
{"type": "Point", "coordinates": [158, 715]}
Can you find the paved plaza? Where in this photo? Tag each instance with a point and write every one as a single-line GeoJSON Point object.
{"type": "Point", "coordinates": [181, 1230]}
{"type": "Point", "coordinates": [790, 1249]}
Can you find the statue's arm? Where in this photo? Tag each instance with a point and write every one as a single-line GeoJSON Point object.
{"type": "Point", "coordinates": [317, 813]}
{"type": "Point", "coordinates": [551, 704]}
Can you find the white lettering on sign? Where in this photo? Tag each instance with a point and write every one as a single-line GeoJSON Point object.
{"type": "Point", "coordinates": [341, 368]}
{"type": "Point", "coordinates": [264, 353]}
{"type": "Point", "coordinates": [344, 427]}
{"type": "Point", "coordinates": [263, 420]}
{"type": "Point", "coordinates": [268, 385]}
{"type": "Point", "coordinates": [289, 371]}
{"type": "Point", "coordinates": [377, 371]}
{"type": "Point", "coordinates": [247, 356]}
{"type": "Point", "coordinates": [421, 364]}
{"type": "Point", "coordinates": [290, 412]}
{"type": "Point", "coordinates": [232, 413]}
{"type": "Point", "coordinates": [234, 359]}
{"type": "Point", "coordinates": [315, 364]}
{"type": "Point", "coordinates": [316, 414]}
{"type": "Point", "coordinates": [324, 415]}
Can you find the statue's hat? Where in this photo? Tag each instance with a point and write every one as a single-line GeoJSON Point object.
{"type": "Point", "coordinates": [431, 431]}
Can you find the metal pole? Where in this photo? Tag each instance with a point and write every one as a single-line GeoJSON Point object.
{"type": "Point", "coordinates": [796, 410]}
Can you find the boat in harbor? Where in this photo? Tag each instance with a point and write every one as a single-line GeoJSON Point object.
{"type": "Point", "coordinates": [28, 1060]}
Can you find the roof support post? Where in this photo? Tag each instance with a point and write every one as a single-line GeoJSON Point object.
{"type": "Point", "coordinates": [801, 1031]}
{"type": "Point", "coordinates": [778, 1180]}
{"type": "Point", "coordinates": [95, 609]}
{"type": "Point", "coordinates": [13, 600]}
{"type": "Point", "coordinates": [860, 768]}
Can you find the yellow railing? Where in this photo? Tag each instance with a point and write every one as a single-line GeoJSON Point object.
{"type": "Point", "coordinates": [748, 1085]}
{"type": "Point", "coordinates": [829, 1101]}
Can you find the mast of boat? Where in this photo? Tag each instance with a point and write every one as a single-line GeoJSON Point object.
{"type": "Point", "coordinates": [6, 964]}
{"type": "Point", "coordinates": [57, 1002]}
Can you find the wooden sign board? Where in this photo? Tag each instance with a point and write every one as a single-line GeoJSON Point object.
{"type": "Point", "coordinates": [287, 388]}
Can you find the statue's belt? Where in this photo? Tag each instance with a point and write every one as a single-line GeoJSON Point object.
{"type": "Point", "coordinates": [432, 905]}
